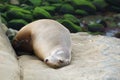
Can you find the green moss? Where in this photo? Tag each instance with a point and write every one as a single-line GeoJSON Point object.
{"type": "Point", "coordinates": [50, 9]}
{"type": "Point", "coordinates": [2, 8]}
{"type": "Point", "coordinates": [95, 27]}
{"type": "Point", "coordinates": [17, 23]}
{"type": "Point", "coordinates": [55, 1]}
{"type": "Point", "coordinates": [23, 1]}
{"type": "Point", "coordinates": [35, 2]}
{"type": "Point", "coordinates": [19, 13]}
{"type": "Point", "coordinates": [100, 4]}
{"type": "Point", "coordinates": [21, 10]}
{"type": "Point", "coordinates": [27, 7]}
{"type": "Point", "coordinates": [3, 20]}
{"type": "Point", "coordinates": [84, 5]}
{"type": "Point", "coordinates": [4, 16]}
{"type": "Point", "coordinates": [40, 13]}
{"type": "Point", "coordinates": [66, 8]}
{"type": "Point", "coordinates": [72, 18]}
{"type": "Point", "coordinates": [71, 26]}
{"type": "Point", "coordinates": [114, 9]}
{"type": "Point", "coordinates": [81, 12]}
{"type": "Point", "coordinates": [8, 7]}
{"type": "Point", "coordinates": [83, 2]}
{"type": "Point", "coordinates": [57, 6]}
{"type": "Point", "coordinates": [114, 2]}
{"type": "Point", "coordinates": [45, 3]}
{"type": "Point", "coordinates": [4, 1]}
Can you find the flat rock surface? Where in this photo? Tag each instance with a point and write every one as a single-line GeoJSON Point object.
{"type": "Point", "coordinates": [9, 69]}
{"type": "Point", "coordinates": [93, 58]}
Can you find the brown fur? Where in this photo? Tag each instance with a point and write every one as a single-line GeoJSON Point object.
{"type": "Point", "coordinates": [47, 38]}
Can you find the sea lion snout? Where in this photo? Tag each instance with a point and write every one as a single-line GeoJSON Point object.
{"type": "Point", "coordinates": [54, 64]}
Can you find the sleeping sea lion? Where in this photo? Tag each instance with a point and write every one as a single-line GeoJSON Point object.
{"type": "Point", "coordinates": [48, 39]}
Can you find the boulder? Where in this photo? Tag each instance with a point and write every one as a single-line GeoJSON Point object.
{"type": "Point", "coordinates": [19, 13]}
{"type": "Point", "coordinates": [50, 9]}
{"type": "Point", "coordinates": [40, 13]}
{"type": "Point", "coordinates": [67, 8]}
{"type": "Point", "coordinates": [100, 4]}
{"type": "Point", "coordinates": [84, 5]}
{"type": "Point", "coordinates": [93, 58]}
{"type": "Point", "coordinates": [54, 1]}
{"type": "Point", "coordinates": [17, 23]}
{"type": "Point", "coordinates": [81, 12]}
{"type": "Point", "coordinates": [35, 2]}
{"type": "Point", "coordinates": [9, 69]}
{"type": "Point", "coordinates": [96, 27]}
{"type": "Point", "coordinates": [115, 2]}
{"type": "Point", "coordinates": [72, 18]}
{"type": "Point", "coordinates": [71, 26]}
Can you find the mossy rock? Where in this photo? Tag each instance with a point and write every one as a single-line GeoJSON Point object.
{"type": "Point", "coordinates": [50, 9]}
{"type": "Point", "coordinates": [40, 13]}
{"type": "Point", "coordinates": [81, 12]}
{"type": "Point", "coordinates": [21, 10]}
{"type": "Point", "coordinates": [45, 3]}
{"type": "Point", "coordinates": [84, 5]}
{"type": "Point", "coordinates": [71, 26]}
{"type": "Point", "coordinates": [55, 1]}
{"type": "Point", "coordinates": [4, 16]}
{"type": "Point", "coordinates": [67, 8]}
{"type": "Point", "coordinates": [27, 7]}
{"type": "Point", "coordinates": [17, 23]}
{"type": "Point", "coordinates": [23, 1]}
{"type": "Point", "coordinates": [72, 18]}
{"type": "Point", "coordinates": [19, 13]}
{"type": "Point", "coordinates": [35, 2]}
{"type": "Point", "coordinates": [4, 1]}
{"type": "Point", "coordinates": [3, 20]}
{"type": "Point", "coordinates": [114, 8]}
{"type": "Point", "coordinates": [95, 27]}
{"type": "Point", "coordinates": [100, 4]}
{"type": "Point", "coordinates": [114, 2]}
{"type": "Point", "coordinates": [8, 7]}
{"type": "Point", "coordinates": [57, 6]}
{"type": "Point", "coordinates": [2, 8]}
{"type": "Point", "coordinates": [117, 35]}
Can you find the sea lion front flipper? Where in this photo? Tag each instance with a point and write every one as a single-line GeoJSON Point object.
{"type": "Point", "coordinates": [22, 41]}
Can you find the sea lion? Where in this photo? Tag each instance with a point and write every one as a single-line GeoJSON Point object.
{"type": "Point", "coordinates": [48, 39]}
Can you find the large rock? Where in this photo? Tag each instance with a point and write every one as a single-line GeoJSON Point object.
{"type": "Point", "coordinates": [93, 58]}
{"type": "Point", "coordinates": [9, 69]}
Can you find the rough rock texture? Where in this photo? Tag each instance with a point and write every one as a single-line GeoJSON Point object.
{"type": "Point", "coordinates": [9, 69]}
{"type": "Point", "coordinates": [93, 58]}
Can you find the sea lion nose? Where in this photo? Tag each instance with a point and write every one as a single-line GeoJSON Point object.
{"type": "Point", "coordinates": [46, 60]}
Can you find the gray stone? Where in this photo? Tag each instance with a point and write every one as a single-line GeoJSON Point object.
{"type": "Point", "coordinates": [9, 69]}
{"type": "Point", "coordinates": [93, 58]}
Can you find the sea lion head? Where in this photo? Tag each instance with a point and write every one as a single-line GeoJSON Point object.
{"type": "Point", "coordinates": [58, 58]}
